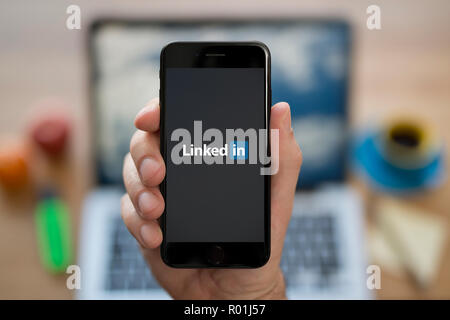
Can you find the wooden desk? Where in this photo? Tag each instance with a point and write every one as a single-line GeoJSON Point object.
{"type": "Point", "coordinates": [404, 67]}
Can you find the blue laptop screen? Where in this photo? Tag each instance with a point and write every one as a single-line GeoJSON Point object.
{"type": "Point", "coordinates": [310, 70]}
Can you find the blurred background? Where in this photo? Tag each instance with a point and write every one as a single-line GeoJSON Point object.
{"type": "Point", "coordinates": [371, 112]}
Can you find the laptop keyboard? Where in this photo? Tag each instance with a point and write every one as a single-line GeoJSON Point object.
{"type": "Point", "coordinates": [310, 256]}
{"type": "Point", "coordinates": [127, 268]}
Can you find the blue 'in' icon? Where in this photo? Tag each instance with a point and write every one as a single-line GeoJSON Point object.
{"type": "Point", "coordinates": [238, 150]}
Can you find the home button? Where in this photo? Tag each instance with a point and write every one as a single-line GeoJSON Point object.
{"type": "Point", "coordinates": [215, 255]}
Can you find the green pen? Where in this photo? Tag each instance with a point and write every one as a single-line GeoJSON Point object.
{"type": "Point", "coordinates": [53, 233]}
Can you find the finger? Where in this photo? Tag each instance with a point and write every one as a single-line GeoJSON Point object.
{"type": "Point", "coordinates": [148, 118]}
{"type": "Point", "coordinates": [148, 202]}
{"type": "Point", "coordinates": [147, 233]}
{"type": "Point", "coordinates": [284, 182]}
{"type": "Point", "coordinates": [144, 149]}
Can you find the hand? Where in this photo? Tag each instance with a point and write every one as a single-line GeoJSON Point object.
{"type": "Point", "coordinates": [143, 204]}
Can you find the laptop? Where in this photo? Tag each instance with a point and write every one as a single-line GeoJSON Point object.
{"type": "Point", "coordinates": [323, 256]}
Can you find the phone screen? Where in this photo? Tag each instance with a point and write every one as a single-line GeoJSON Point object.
{"type": "Point", "coordinates": [213, 202]}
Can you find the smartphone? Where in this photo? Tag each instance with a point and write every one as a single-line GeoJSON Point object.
{"type": "Point", "coordinates": [215, 100]}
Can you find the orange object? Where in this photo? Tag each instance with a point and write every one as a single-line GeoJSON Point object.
{"type": "Point", "coordinates": [14, 172]}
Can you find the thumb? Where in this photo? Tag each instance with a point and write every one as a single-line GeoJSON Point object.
{"type": "Point", "coordinates": [284, 182]}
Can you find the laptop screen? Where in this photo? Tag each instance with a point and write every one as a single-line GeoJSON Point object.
{"type": "Point", "coordinates": [310, 70]}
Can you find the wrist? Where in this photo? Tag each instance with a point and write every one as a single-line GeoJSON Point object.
{"type": "Point", "coordinates": [278, 291]}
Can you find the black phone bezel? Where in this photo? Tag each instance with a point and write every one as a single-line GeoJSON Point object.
{"type": "Point", "coordinates": [220, 55]}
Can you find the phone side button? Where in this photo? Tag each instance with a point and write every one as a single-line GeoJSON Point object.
{"type": "Point", "coordinates": [215, 255]}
